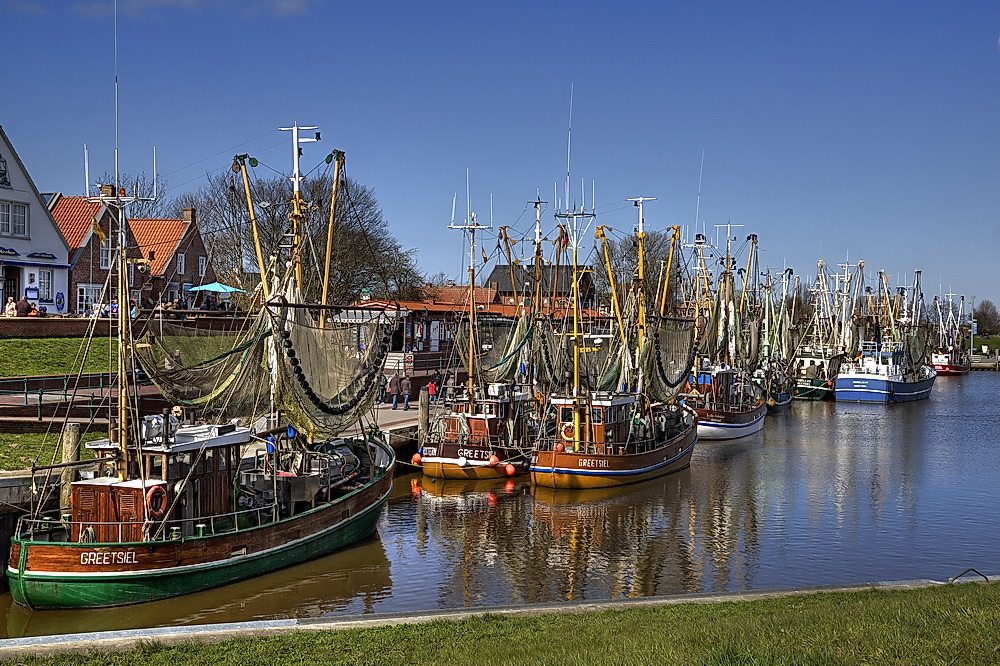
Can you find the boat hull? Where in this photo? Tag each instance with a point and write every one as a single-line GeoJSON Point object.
{"type": "Point", "coordinates": [720, 424]}
{"type": "Point", "coordinates": [44, 574]}
{"type": "Point", "coordinates": [813, 389]}
{"type": "Point", "coordinates": [858, 387]}
{"type": "Point", "coordinates": [453, 468]}
{"type": "Point", "coordinates": [571, 470]}
{"type": "Point", "coordinates": [943, 369]}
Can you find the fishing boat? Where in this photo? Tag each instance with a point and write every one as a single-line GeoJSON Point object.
{"type": "Point", "coordinates": [830, 337]}
{"type": "Point", "coordinates": [772, 372]}
{"type": "Point", "coordinates": [484, 430]}
{"type": "Point", "coordinates": [619, 421]}
{"type": "Point", "coordinates": [949, 356]}
{"type": "Point", "coordinates": [890, 366]}
{"type": "Point", "coordinates": [176, 502]}
{"type": "Point", "coordinates": [720, 388]}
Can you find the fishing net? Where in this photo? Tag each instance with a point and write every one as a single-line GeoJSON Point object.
{"type": "Point", "coordinates": [215, 367]}
{"type": "Point", "coordinates": [666, 357]}
{"type": "Point", "coordinates": [329, 376]}
{"type": "Point", "coordinates": [498, 345]}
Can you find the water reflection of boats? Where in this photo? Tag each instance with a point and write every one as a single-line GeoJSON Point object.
{"type": "Point", "coordinates": [352, 581]}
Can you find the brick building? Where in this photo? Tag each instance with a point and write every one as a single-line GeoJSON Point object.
{"type": "Point", "coordinates": [90, 232]}
{"type": "Point", "coordinates": [178, 258]}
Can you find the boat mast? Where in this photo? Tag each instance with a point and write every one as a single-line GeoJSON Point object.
{"type": "Point", "coordinates": [239, 164]}
{"type": "Point", "coordinates": [296, 215]}
{"type": "Point", "coordinates": [338, 165]}
{"type": "Point", "coordinates": [470, 225]}
{"type": "Point", "coordinates": [640, 236]}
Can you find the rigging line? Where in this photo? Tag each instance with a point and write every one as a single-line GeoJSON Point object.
{"type": "Point", "coordinates": [217, 170]}
{"type": "Point", "coordinates": [222, 152]}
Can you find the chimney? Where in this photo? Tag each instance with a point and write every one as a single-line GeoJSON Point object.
{"type": "Point", "coordinates": [190, 215]}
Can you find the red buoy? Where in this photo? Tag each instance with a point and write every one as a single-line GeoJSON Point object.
{"type": "Point", "coordinates": [509, 469]}
{"type": "Point", "coordinates": [494, 461]}
{"type": "Point", "coordinates": [416, 459]}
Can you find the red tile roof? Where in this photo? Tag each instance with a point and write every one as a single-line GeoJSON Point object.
{"type": "Point", "coordinates": [160, 236]}
{"type": "Point", "coordinates": [457, 294]}
{"type": "Point", "coordinates": [486, 308]}
{"type": "Point", "coordinates": [75, 218]}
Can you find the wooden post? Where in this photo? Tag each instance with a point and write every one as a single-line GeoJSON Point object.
{"type": "Point", "coordinates": [70, 453]}
{"type": "Point", "coordinates": [423, 415]}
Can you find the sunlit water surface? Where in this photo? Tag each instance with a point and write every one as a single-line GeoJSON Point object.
{"type": "Point", "coordinates": [828, 493]}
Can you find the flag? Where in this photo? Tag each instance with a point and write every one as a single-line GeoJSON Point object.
{"type": "Point", "coordinates": [98, 231]}
{"type": "Point", "coordinates": [485, 258]}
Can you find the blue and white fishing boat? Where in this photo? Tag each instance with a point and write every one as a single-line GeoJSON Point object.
{"type": "Point", "coordinates": [882, 373]}
{"type": "Point", "coordinates": [891, 364]}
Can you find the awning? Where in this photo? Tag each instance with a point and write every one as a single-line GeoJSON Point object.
{"type": "Point", "coordinates": [217, 287]}
{"type": "Point", "coordinates": [33, 264]}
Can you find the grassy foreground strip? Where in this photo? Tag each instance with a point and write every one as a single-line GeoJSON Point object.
{"type": "Point", "coordinates": [28, 357]}
{"type": "Point", "coordinates": [954, 624]}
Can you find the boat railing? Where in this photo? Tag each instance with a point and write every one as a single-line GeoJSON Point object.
{"type": "Point", "coordinates": [60, 527]}
{"type": "Point", "coordinates": [589, 447]}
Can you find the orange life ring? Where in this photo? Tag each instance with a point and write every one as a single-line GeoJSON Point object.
{"type": "Point", "coordinates": [567, 431]}
{"type": "Point", "coordinates": [156, 507]}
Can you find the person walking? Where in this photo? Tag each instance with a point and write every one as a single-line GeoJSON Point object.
{"type": "Point", "coordinates": [394, 390]}
{"type": "Point", "coordinates": [404, 388]}
{"type": "Point", "coordinates": [432, 391]}
{"type": "Point", "coordinates": [383, 384]}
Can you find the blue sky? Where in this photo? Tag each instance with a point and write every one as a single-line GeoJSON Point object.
{"type": "Point", "coordinates": [861, 129]}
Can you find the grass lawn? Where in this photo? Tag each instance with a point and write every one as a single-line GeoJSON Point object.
{"type": "Point", "coordinates": [955, 624]}
{"type": "Point", "coordinates": [27, 357]}
{"type": "Point", "coordinates": [19, 450]}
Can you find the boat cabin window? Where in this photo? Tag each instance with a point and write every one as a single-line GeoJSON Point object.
{"type": "Point", "coordinates": [209, 460]}
{"type": "Point", "coordinates": [566, 414]}
{"type": "Point", "coordinates": [154, 467]}
{"type": "Point", "coordinates": [597, 415]}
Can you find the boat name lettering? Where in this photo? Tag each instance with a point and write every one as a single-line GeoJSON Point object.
{"type": "Point", "coordinates": [428, 451]}
{"type": "Point", "coordinates": [593, 462]}
{"type": "Point", "coordinates": [109, 557]}
{"type": "Point", "coordinates": [474, 454]}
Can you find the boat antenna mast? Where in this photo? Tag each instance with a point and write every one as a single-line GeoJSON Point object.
{"type": "Point", "coordinates": [115, 199]}
{"type": "Point", "coordinates": [471, 226]}
{"type": "Point", "coordinates": [296, 214]}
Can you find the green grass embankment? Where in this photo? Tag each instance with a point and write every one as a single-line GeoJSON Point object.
{"type": "Point", "coordinates": [20, 450]}
{"type": "Point", "coordinates": [955, 624]}
{"type": "Point", "coordinates": [29, 357]}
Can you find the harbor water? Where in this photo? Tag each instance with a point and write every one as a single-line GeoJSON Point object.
{"type": "Point", "coordinates": [828, 493]}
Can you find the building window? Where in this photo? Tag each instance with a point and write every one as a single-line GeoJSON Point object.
{"type": "Point", "coordinates": [44, 285]}
{"type": "Point", "coordinates": [86, 296]}
{"type": "Point", "coordinates": [180, 263]}
{"type": "Point", "coordinates": [19, 219]}
{"type": "Point", "coordinates": [202, 266]}
{"type": "Point", "coordinates": [106, 253]}
{"type": "Point", "coordinates": [13, 219]}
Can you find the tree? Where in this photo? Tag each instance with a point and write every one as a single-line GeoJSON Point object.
{"type": "Point", "coordinates": [988, 317]}
{"type": "Point", "coordinates": [140, 185]}
{"type": "Point", "coordinates": [624, 261]}
{"type": "Point", "coordinates": [364, 254]}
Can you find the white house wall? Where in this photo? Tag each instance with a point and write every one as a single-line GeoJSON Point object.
{"type": "Point", "coordinates": [42, 248]}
